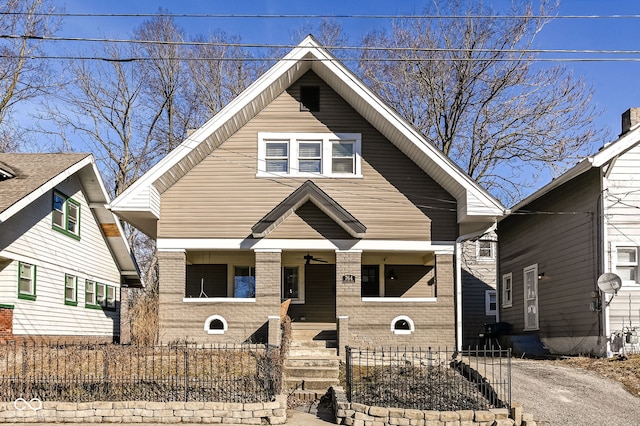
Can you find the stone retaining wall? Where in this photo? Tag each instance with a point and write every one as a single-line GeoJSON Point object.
{"type": "Point", "coordinates": [352, 414]}
{"type": "Point", "coordinates": [273, 413]}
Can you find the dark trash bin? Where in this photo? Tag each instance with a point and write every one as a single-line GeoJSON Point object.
{"type": "Point", "coordinates": [493, 333]}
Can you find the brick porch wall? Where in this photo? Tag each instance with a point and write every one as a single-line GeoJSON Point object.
{"type": "Point", "coordinates": [246, 321]}
{"type": "Point", "coordinates": [369, 323]}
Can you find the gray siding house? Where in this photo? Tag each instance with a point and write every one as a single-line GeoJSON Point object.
{"type": "Point", "coordinates": [555, 245]}
{"type": "Point", "coordinates": [308, 189]}
{"type": "Point", "coordinates": [63, 256]}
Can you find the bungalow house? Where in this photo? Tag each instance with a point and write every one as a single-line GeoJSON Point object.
{"type": "Point", "coordinates": [63, 257]}
{"type": "Point", "coordinates": [307, 188]}
{"type": "Point", "coordinates": [557, 243]}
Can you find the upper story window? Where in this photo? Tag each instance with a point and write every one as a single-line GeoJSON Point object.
{"type": "Point", "coordinates": [309, 154]}
{"type": "Point", "coordinates": [66, 215]}
{"type": "Point", "coordinates": [485, 250]}
{"type": "Point", "coordinates": [310, 98]}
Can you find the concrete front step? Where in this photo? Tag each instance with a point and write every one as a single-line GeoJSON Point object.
{"type": "Point", "coordinates": [316, 372]}
{"type": "Point", "coordinates": [304, 361]}
{"type": "Point", "coordinates": [312, 362]}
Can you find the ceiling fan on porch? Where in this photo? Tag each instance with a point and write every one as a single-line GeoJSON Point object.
{"type": "Point", "coordinates": [308, 258]}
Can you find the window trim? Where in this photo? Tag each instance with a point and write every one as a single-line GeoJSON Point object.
{"type": "Point", "coordinates": [487, 303]}
{"type": "Point", "coordinates": [67, 202]}
{"type": "Point", "coordinates": [492, 247]}
{"type": "Point", "coordinates": [33, 279]}
{"type": "Point", "coordinates": [616, 263]}
{"type": "Point", "coordinates": [208, 321]}
{"type": "Point", "coordinates": [74, 300]}
{"type": "Point", "coordinates": [293, 159]}
{"type": "Point", "coordinates": [401, 331]}
{"type": "Point", "coordinates": [93, 303]}
{"type": "Point", "coordinates": [507, 302]}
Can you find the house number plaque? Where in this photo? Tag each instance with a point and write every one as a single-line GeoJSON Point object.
{"type": "Point", "coordinates": [348, 279]}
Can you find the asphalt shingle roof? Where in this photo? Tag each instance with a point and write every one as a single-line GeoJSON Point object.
{"type": "Point", "coordinates": [31, 171]}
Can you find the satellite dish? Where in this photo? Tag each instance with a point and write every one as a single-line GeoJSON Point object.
{"type": "Point", "coordinates": [609, 283]}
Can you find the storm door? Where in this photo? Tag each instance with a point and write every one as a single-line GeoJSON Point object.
{"type": "Point", "coordinates": [531, 316]}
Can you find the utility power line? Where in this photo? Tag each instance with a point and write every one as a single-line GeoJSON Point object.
{"type": "Point", "coordinates": [314, 16]}
{"type": "Point", "coordinates": [333, 47]}
{"type": "Point", "coordinates": [261, 59]}
{"type": "Point", "coordinates": [398, 50]}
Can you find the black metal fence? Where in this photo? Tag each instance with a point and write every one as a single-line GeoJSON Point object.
{"type": "Point", "coordinates": [432, 379]}
{"type": "Point", "coordinates": [178, 372]}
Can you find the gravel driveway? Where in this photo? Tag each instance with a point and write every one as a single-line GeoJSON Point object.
{"type": "Point", "coordinates": [558, 395]}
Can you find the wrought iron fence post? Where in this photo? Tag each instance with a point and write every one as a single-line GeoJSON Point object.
{"type": "Point", "coordinates": [186, 372]}
{"type": "Point", "coordinates": [349, 371]}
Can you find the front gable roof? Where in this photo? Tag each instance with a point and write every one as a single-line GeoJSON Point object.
{"type": "Point", "coordinates": [35, 174]}
{"type": "Point", "coordinates": [140, 203]}
{"type": "Point", "coordinates": [308, 191]}
{"type": "Point", "coordinates": [606, 156]}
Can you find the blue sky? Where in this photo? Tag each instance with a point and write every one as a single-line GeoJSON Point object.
{"type": "Point", "coordinates": [614, 82]}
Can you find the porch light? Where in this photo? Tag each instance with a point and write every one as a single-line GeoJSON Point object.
{"type": "Point", "coordinates": [391, 275]}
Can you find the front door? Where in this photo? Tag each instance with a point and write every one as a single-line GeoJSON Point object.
{"type": "Point", "coordinates": [319, 295]}
{"type": "Point", "coordinates": [531, 298]}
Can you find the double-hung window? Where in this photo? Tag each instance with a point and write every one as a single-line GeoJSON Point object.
{"type": "Point", "coordinates": [276, 156]}
{"type": "Point", "coordinates": [627, 263]}
{"type": "Point", "coordinates": [485, 250]}
{"type": "Point", "coordinates": [66, 215]}
{"type": "Point", "coordinates": [490, 302]}
{"type": "Point", "coordinates": [309, 154]}
{"type": "Point", "coordinates": [99, 295]}
{"type": "Point", "coordinates": [27, 281]}
{"type": "Point", "coordinates": [90, 294]}
{"type": "Point", "coordinates": [70, 290]}
{"type": "Point", "coordinates": [343, 156]}
{"type": "Point", "coordinates": [507, 290]}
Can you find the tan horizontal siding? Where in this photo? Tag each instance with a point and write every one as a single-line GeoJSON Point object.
{"type": "Point", "coordinates": [222, 197]}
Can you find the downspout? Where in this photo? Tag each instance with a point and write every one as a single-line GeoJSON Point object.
{"type": "Point", "coordinates": [458, 267]}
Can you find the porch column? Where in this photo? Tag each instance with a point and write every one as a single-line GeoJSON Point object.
{"type": "Point", "coordinates": [125, 318]}
{"type": "Point", "coordinates": [268, 273]}
{"type": "Point", "coordinates": [444, 316]}
{"type": "Point", "coordinates": [171, 275]}
{"type": "Point", "coordinates": [342, 328]}
{"type": "Point", "coordinates": [348, 278]}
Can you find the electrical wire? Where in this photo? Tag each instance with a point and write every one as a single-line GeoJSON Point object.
{"type": "Point", "coordinates": [310, 16]}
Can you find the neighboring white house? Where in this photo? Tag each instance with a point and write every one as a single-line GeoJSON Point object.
{"type": "Point", "coordinates": [63, 256]}
{"type": "Point", "coordinates": [556, 245]}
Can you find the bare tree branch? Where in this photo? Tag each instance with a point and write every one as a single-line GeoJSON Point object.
{"type": "Point", "coordinates": [478, 96]}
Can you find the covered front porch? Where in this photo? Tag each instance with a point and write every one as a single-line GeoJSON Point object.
{"type": "Point", "coordinates": [387, 297]}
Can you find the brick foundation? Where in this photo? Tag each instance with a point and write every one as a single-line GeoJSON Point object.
{"type": "Point", "coordinates": [6, 323]}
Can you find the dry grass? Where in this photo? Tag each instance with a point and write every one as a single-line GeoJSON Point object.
{"type": "Point", "coordinates": [625, 371]}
